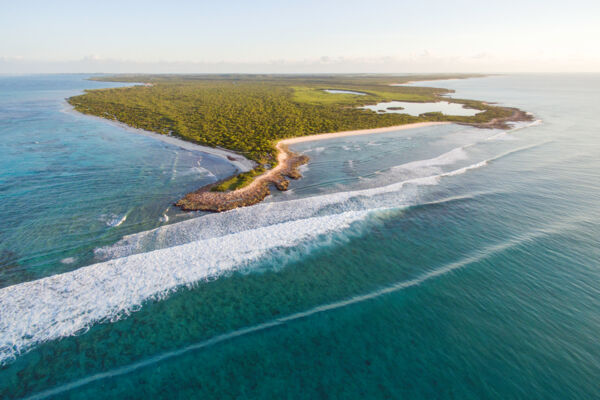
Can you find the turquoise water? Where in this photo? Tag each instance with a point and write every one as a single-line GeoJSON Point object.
{"type": "Point", "coordinates": [441, 262]}
{"type": "Point", "coordinates": [69, 183]}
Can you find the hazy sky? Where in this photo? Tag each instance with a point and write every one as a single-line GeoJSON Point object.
{"type": "Point", "coordinates": [299, 36]}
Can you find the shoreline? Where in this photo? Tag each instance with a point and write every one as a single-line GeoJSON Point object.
{"type": "Point", "coordinates": [236, 159]}
{"type": "Point", "coordinates": [204, 199]}
{"type": "Point", "coordinates": [208, 198]}
{"type": "Point", "coordinates": [432, 80]}
{"type": "Point", "coordinates": [502, 123]}
{"type": "Point", "coordinates": [359, 132]}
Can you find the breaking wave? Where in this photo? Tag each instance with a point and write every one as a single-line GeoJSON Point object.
{"type": "Point", "coordinates": [67, 304]}
{"type": "Point", "coordinates": [113, 220]}
{"type": "Point", "coordinates": [397, 194]}
{"type": "Point", "coordinates": [459, 153]}
{"type": "Point", "coordinates": [473, 258]}
{"type": "Point", "coordinates": [505, 135]}
{"type": "Point", "coordinates": [151, 265]}
{"type": "Point", "coordinates": [447, 158]}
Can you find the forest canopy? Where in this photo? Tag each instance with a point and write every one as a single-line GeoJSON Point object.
{"type": "Point", "coordinates": [248, 113]}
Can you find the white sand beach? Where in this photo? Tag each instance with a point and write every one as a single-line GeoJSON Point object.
{"type": "Point", "coordinates": [238, 160]}
{"type": "Point", "coordinates": [334, 135]}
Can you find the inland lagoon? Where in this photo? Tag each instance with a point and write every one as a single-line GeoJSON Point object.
{"type": "Point", "coordinates": [416, 109]}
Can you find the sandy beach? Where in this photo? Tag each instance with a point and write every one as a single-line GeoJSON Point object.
{"type": "Point", "coordinates": [204, 199]}
{"type": "Point", "coordinates": [417, 82]}
{"type": "Point", "coordinates": [287, 167]}
{"type": "Point", "coordinates": [335, 135]}
{"type": "Point", "coordinates": [239, 161]}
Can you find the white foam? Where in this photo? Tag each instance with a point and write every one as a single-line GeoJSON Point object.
{"type": "Point", "coordinates": [67, 304]}
{"type": "Point", "coordinates": [506, 135]}
{"type": "Point", "coordinates": [199, 170]}
{"type": "Point", "coordinates": [174, 170]}
{"type": "Point", "coordinates": [68, 260]}
{"type": "Point", "coordinates": [185, 253]}
{"type": "Point", "coordinates": [470, 259]}
{"type": "Point", "coordinates": [119, 222]}
{"type": "Point", "coordinates": [351, 148]}
{"type": "Point", "coordinates": [165, 216]}
{"type": "Point", "coordinates": [113, 220]}
{"type": "Point", "coordinates": [264, 214]}
{"type": "Point", "coordinates": [238, 160]}
{"type": "Point", "coordinates": [448, 158]}
{"type": "Point", "coordinates": [395, 195]}
{"type": "Point", "coordinates": [467, 168]}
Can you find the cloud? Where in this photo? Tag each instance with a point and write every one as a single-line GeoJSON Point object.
{"type": "Point", "coordinates": [422, 62]}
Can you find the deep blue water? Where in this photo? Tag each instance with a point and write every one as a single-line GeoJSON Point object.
{"type": "Point", "coordinates": [443, 262]}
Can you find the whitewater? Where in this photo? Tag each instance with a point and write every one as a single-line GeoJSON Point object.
{"type": "Point", "coordinates": [150, 265]}
{"type": "Point", "coordinates": [557, 227]}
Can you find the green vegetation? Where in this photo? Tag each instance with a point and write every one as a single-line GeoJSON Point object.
{"type": "Point", "coordinates": [248, 113]}
{"type": "Point", "coordinates": [238, 181]}
{"type": "Point", "coordinates": [318, 95]}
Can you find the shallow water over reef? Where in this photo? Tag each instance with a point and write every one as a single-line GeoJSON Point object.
{"type": "Point", "coordinates": [440, 262]}
{"type": "Point", "coordinates": [70, 183]}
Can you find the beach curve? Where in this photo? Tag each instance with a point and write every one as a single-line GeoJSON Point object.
{"type": "Point", "coordinates": [204, 199]}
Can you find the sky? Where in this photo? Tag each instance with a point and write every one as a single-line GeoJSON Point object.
{"type": "Point", "coordinates": [279, 36]}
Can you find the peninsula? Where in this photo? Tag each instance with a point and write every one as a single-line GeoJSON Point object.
{"type": "Point", "coordinates": [255, 118]}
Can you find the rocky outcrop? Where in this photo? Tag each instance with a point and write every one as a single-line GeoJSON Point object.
{"type": "Point", "coordinates": [206, 200]}
{"type": "Point", "coordinates": [502, 123]}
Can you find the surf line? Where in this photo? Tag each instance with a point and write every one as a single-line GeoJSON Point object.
{"type": "Point", "coordinates": [480, 255]}
{"type": "Point", "coordinates": [474, 258]}
{"type": "Point", "coordinates": [426, 180]}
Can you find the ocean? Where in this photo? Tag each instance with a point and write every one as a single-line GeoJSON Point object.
{"type": "Point", "coordinates": [438, 262]}
{"type": "Point", "coordinates": [70, 183]}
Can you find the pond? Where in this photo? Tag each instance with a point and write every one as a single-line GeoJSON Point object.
{"type": "Point", "coordinates": [404, 107]}
{"type": "Point", "coordinates": [337, 91]}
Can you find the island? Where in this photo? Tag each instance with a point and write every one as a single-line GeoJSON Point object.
{"type": "Point", "coordinates": [251, 119]}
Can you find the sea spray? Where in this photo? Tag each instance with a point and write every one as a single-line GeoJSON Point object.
{"type": "Point", "coordinates": [558, 227]}
{"type": "Point", "coordinates": [398, 194]}
{"type": "Point", "coordinates": [69, 303]}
